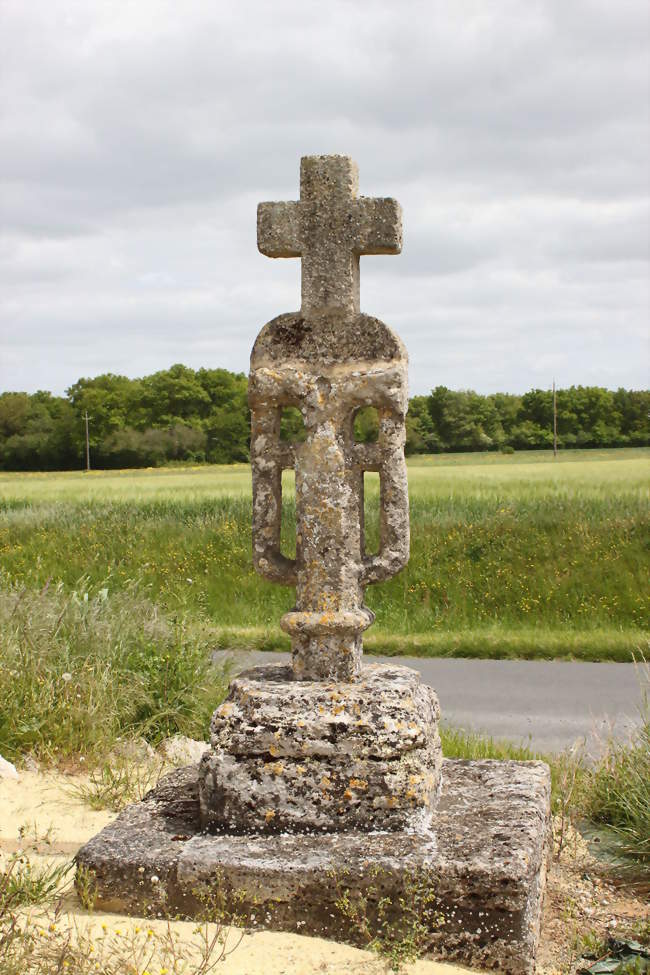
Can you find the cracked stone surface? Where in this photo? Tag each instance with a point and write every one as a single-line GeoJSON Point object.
{"type": "Point", "coordinates": [328, 361]}
{"type": "Point", "coordinates": [484, 856]}
{"type": "Point", "coordinates": [314, 756]}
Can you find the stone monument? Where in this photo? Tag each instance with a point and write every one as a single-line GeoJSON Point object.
{"type": "Point", "coordinates": [330, 768]}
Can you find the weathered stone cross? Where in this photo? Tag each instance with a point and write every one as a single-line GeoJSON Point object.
{"type": "Point", "coordinates": [330, 745]}
{"type": "Point", "coordinates": [329, 361]}
{"type": "Point", "coordinates": [329, 227]}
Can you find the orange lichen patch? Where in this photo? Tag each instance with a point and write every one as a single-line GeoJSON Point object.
{"type": "Point", "coordinates": [414, 779]}
{"type": "Point", "coordinates": [326, 782]}
{"type": "Point", "coordinates": [338, 708]}
{"type": "Point", "coordinates": [275, 768]}
{"type": "Point", "coordinates": [300, 769]}
{"type": "Point", "coordinates": [358, 784]}
{"type": "Point", "coordinates": [269, 815]}
{"type": "Point", "coordinates": [274, 750]}
{"type": "Point", "coordinates": [348, 794]}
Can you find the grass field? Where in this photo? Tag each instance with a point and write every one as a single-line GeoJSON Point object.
{"type": "Point", "coordinates": [510, 556]}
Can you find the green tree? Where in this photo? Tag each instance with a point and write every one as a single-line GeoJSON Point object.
{"type": "Point", "coordinates": [36, 432]}
{"type": "Point", "coordinates": [465, 420]}
{"type": "Point", "coordinates": [633, 407]}
{"type": "Point", "coordinates": [228, 433]}
{"type": "Point", "coordinates": [109, 401]}
{"type": "Point", "coordinates": [421, 434]}
{"type": "Point", "coordinates": [183, 414]}
{"type": "Point", "coordinates": [174, 396]}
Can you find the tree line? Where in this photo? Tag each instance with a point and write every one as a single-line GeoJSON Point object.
{"type": "Point", "coordinates": [199, 416]}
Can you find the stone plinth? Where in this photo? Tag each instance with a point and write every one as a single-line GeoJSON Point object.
{"type": "Point", "coordinates": [484, 856]}
{"type": "Point", "coordinates": [319, 756]}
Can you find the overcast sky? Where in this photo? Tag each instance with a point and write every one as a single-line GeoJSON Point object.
{"type": "Point", "coordinates": [136, 139]}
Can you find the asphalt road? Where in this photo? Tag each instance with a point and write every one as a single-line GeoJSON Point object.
{"type": "Point", "coordinates": [549, 705]}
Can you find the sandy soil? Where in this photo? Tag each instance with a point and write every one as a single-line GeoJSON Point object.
{"type": "Point", "coordinates": [40, 815]}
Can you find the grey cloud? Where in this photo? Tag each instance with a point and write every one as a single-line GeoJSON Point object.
{"type": "Point", "coordinates": [136, 140]}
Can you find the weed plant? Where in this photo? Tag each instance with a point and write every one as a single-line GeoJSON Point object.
{"type": "Point", "coordinates": [117, 782]}
{"type": "Point", "coordinates": [25, 881]}
{"type": "Point", "coordinates": [48, 943]}
{"type": "Point", "coordinates": [397, 927]}
{"type": "Point", "coordinates": [44, 940]}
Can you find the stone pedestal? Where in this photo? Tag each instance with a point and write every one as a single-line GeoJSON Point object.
{"type": "Point", "coordinates": [320, 756]}
{"type": "Point", "coordinates": [484, 857]}
{"type": "Point", "coordinates": [310, 787]}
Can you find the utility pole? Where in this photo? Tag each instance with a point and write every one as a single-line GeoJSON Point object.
{"type": "Point", "coordinates": [87, 443]}
{"type": "Point", "coordinates": [554, 422]}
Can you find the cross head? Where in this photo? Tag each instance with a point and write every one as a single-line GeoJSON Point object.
{"type": "Point", "coordinates": [330, 227]}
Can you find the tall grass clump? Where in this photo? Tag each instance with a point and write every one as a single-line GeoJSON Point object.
{"type": "Point", "coordinates": [81, 668]}
{"type": "Point", "coordinates": [617, 793]}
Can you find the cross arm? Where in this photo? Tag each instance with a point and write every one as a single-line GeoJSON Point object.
{"type": "Point", "coordinates": [379, 223]}
{"type": "Point", "coordinates": [278, 229]}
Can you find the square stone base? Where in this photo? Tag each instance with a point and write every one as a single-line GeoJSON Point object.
{"type": "Point", "coordinates": [484, 858]}
{"type": "Point", "coordinates": [298, 756]}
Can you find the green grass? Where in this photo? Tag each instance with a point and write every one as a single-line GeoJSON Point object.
{"type": "Point", "coordinates": [517, 556]}
{"type": "Point", "coordinates": [525, 472]}
{"type": "Point", "coordinates": [80, 670]}
{"type": "Point", "coordinates": [618, 795]}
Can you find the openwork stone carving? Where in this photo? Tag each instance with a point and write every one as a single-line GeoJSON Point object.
{"type": "Point", "coordinates": [329, 361]}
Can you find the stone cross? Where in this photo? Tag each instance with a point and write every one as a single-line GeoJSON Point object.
{"type": "Point", "coordinates": [329, 227]}
{"type": "Point", "coordinates": [329, 361]}
{"type": "Point", "coordinates": [326, 775]}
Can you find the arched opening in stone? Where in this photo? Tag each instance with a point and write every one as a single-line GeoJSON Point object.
{"type": "Point", "coordinates": [365, 425]}
{"type": "Point", "coordinates": [292, 425]}
{"type": "Point", "coordinates": [288, 522]}
{"type": "Point", "coordinates": [371, 503]}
